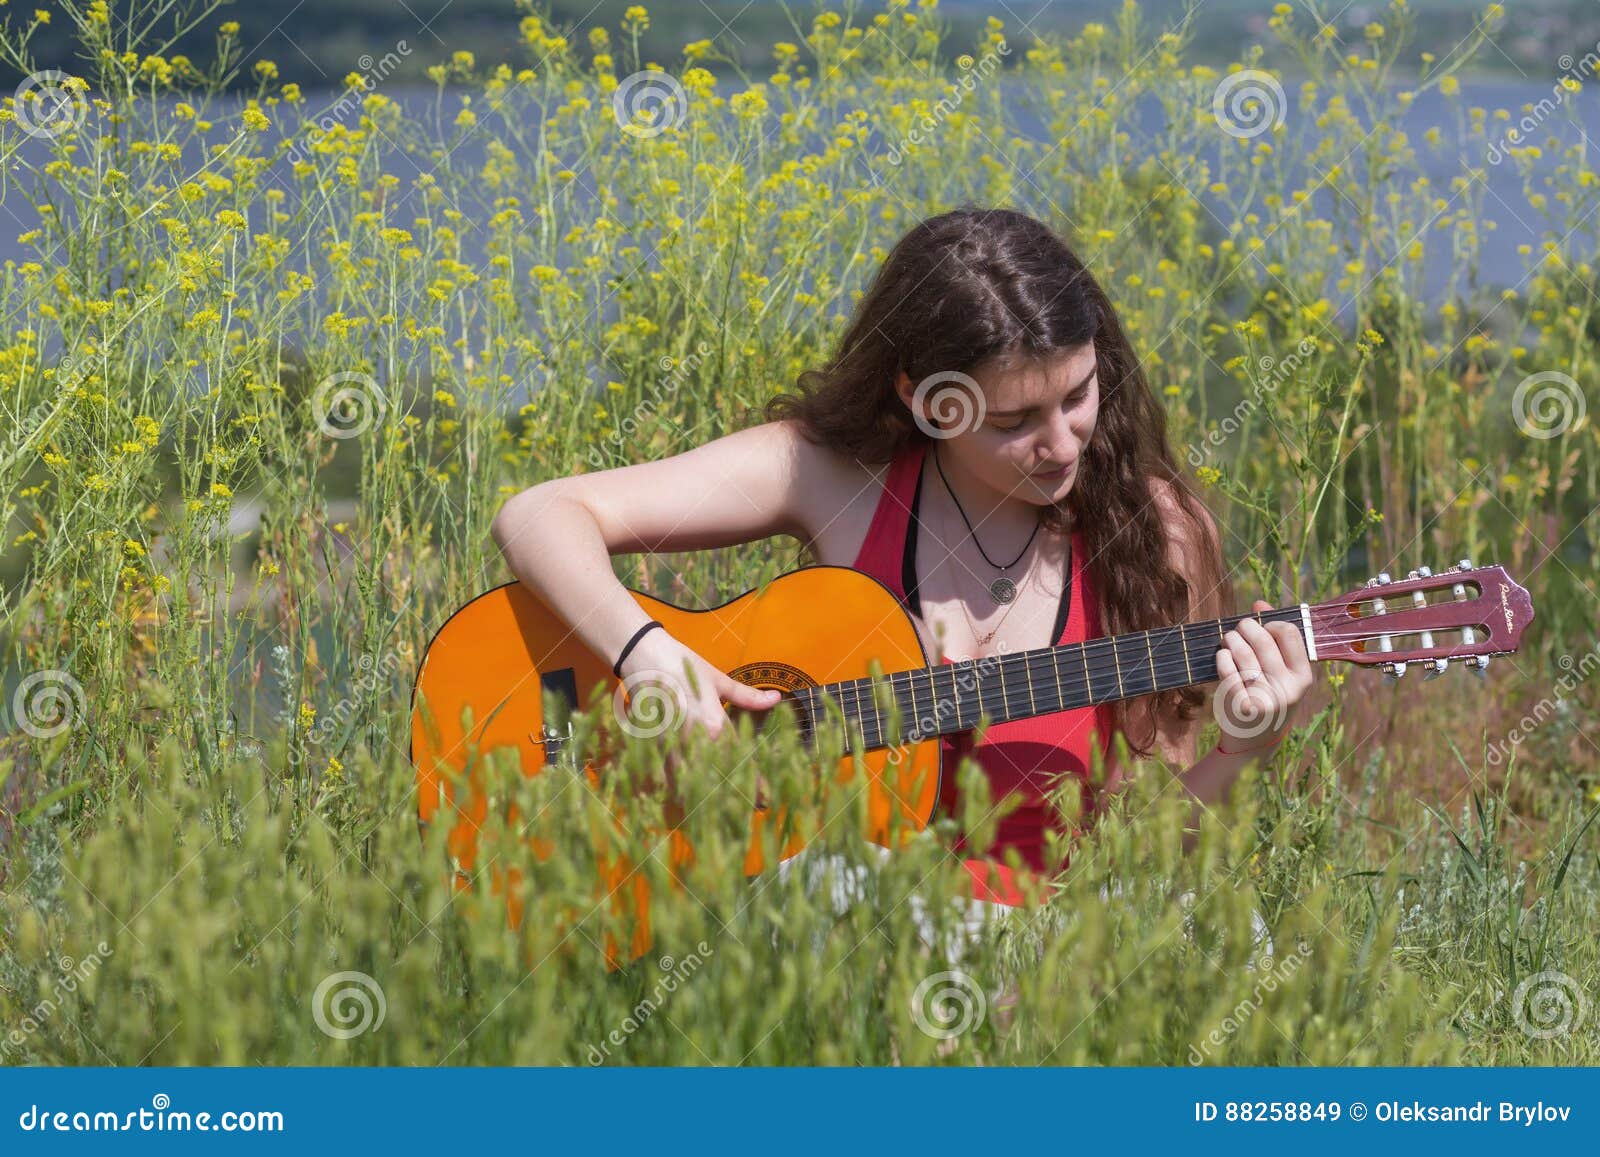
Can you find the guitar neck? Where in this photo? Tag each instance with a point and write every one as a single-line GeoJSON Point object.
{"type": "Point", "coordinates": [953, 697]}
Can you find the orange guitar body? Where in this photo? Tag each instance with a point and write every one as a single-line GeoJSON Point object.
{"type": "Point", "coordinates": [484, 681]}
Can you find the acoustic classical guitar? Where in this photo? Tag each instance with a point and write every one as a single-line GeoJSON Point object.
{"type": "Point", "coordinates": [506, 672]}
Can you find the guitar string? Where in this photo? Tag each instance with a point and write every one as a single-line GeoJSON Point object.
{"type": "Point", "coordinates": [1094, 651]}
{"type": "Point", "coordinates": [1033, 663]}
{"type": "Point", "coordinates": [1092, 655]}
{"type": "Point", "coordinates": [1042, 661]}
{"type": "Point", "coordinates": [996, 703]}
{"type": "Point", "coordinates": [988, 698]}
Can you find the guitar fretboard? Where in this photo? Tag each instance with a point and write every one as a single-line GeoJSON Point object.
{"type": "Point", "coordinates": [953, 697]}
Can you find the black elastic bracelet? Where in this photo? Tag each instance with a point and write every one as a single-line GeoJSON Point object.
{"type": "Point", "coordinates": [637, 635]}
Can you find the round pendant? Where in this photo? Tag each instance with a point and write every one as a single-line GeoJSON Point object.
{"type": "Point", "coordinates": [1002, 590]}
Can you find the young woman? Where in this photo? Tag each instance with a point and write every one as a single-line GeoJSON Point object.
{"type": "Point", "coordinates": [985, 444]}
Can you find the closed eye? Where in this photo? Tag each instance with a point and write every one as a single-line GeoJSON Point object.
{"type": "Point", "coordinates": [1072, 401]}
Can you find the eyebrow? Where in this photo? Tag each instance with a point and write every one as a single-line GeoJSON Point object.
{"type": "Point", "coordinates": [1087, 378]}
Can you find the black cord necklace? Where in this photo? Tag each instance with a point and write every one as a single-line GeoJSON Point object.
{"type": "Point", "coordinates": [1002, 590]}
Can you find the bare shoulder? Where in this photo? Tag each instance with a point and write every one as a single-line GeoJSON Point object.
{"type": "Point", "coordinates": [834, 496]}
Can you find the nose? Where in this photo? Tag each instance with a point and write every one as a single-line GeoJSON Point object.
{"type": "Point", "coordinates": [1059, 444]}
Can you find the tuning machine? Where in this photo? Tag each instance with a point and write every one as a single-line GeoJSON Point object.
{"type": "Point", "coordinates": [1477, 664]}
{"type": "Point", "coordinates": [1393, 670]}
{"type": "Point", "coordinates": [1436, 667]}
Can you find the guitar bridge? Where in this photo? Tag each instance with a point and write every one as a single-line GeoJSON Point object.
{"type": "Point", "coordinates": [559, 689]}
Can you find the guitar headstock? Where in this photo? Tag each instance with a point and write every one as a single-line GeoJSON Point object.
{"type": "Point", "coordinates": [1464, 614]}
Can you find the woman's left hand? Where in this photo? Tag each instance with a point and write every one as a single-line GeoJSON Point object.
{"type": "Point", "coordinates": [1263, 671]}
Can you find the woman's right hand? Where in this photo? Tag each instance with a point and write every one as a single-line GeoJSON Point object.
{"type": "Point", "coordinates": [671, 687]}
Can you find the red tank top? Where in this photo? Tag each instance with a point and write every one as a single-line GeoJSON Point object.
{"type": "Point", "coordinates": [1022, 757]}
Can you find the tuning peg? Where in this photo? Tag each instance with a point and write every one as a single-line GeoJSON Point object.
{"type": "Point", "coordinates": [1392, 672]}
{"type": "Point", "coordinates": [1436, 667]}
{"type": "Point", "coordinates": [1464, 564]}
{"type": "Point", "coordinates": [1478, 665]}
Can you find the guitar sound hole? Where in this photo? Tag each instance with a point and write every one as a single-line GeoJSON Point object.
{"type": "Point", "coordinates": [764, 723]}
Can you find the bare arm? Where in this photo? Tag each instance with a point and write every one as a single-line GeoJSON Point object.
{"type": "Point", "coordinates": [1277, 651]}
{"type": "Point", "coordinates": [1207, 777]}
{"type": "Point", "coordinates": [558, 536]}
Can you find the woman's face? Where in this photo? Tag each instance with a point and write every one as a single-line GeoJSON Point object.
{"type": "Point", "coordinates": [1026, 435]}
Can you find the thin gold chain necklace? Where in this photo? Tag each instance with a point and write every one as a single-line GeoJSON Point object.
{"type": "Point", "coordinates": [983, 640]}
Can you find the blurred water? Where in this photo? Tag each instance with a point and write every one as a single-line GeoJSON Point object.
{"type": "Point", "coordinates": [1516, 223]}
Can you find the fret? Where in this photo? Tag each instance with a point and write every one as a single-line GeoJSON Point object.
{"type": "Point", "coordinates": [1134, 682]}
{"type": "Point", "coordinates": [1088, 687]}
{"type": "Point", "coordinates": [819, 712]}
{"type": "Point", "coordinates": [1164, 662]}
{"type": "Point", "coordinates": [1067, 695]}
{"type": "Point", "coordinates": [848, 710]}
{"type": "Point", "coordinates": [863, 686]}
{"type": "Point", "coordinates": [1183, 637]}
{"type": "Point", "coordinates": [1117, 664]}
{"type": "Point", "coordinates": [1206, 652]}
{"type": "Point", "coordinates": [1150, 657]}
{"type": "Point", "coordinates": [1005, 705]}
{"type": "Point", "coordinates": [1055, 672]}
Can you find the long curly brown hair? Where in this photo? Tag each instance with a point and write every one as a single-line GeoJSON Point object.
{"type": "Point", "coordinates": [973, 284]}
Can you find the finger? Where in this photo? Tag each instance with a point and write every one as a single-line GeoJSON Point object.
{"type": "Point", "coordinates": [714, 720]}
{"type": "Point", "coordinates": [1292, 646]}
{"type": "Point", "coordinates": [1231, 684]}
{"type": "Point", "coordinates": [743, 695]}
{"type": "Point", "coordinates": [1227, 665]}
{"type": "Point", "coordinates": [1264, 644]}
{"type": "Point", "coordinates": [1243, 655]}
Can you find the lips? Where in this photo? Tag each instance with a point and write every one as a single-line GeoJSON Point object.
{"type": "Point", "coordinates": [1058, 472]}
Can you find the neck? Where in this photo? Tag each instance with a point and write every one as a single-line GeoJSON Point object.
{"type": "Point", "coordinates": [1002, 516]}
{"type": "Point", "coordinates": [954, 697]}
